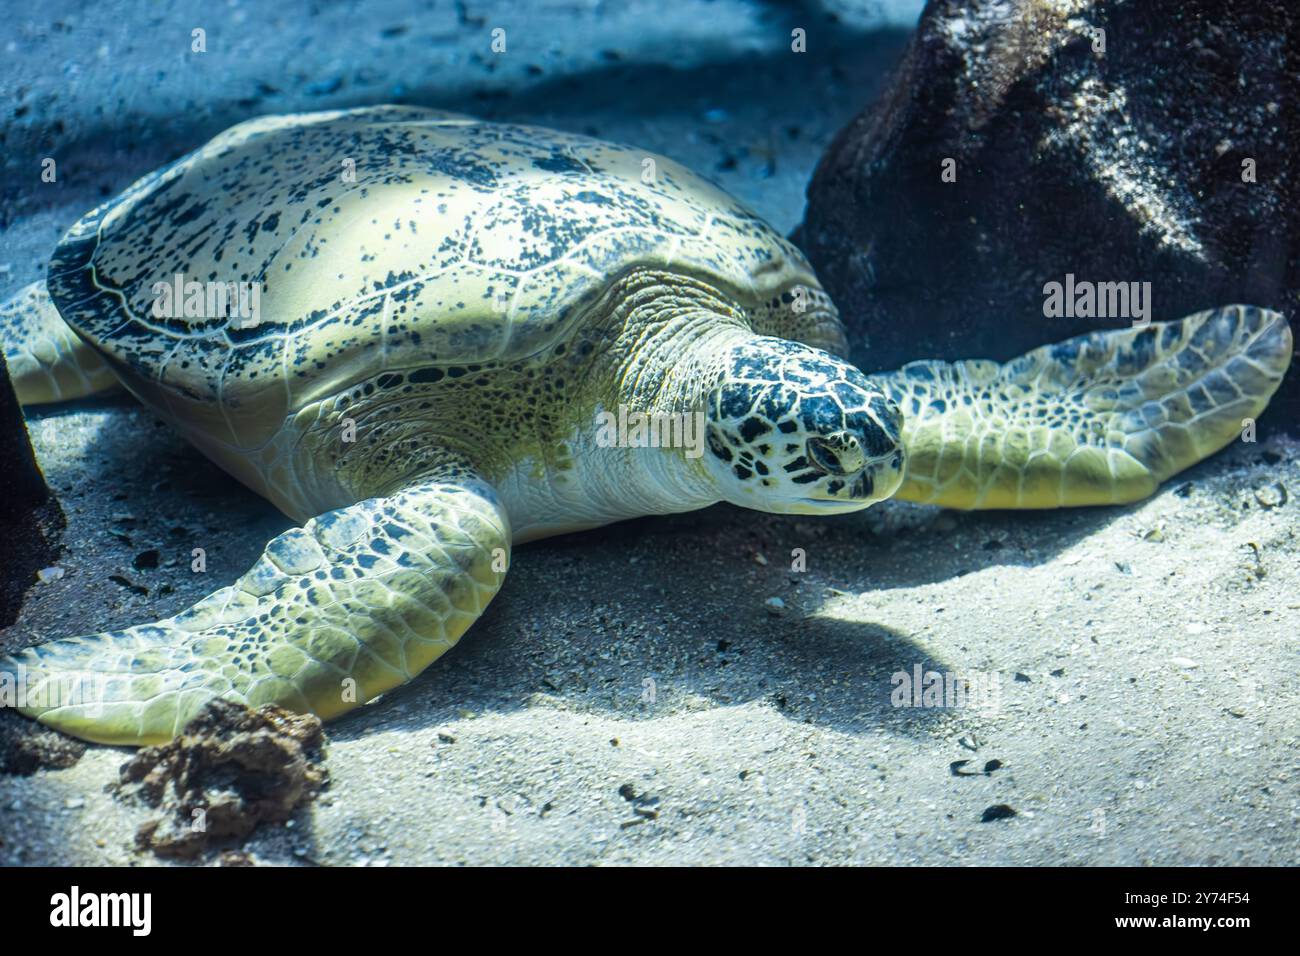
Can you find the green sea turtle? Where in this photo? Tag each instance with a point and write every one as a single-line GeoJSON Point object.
{"type": "Point", "coordinates": [446, 310]}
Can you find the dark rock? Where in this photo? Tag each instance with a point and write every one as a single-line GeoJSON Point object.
{"type": "Point", "coordinates": [123, 581]}
{"type": "Point", "coordinates": [999, 811]}
{"type": "Point", "coordinates": [1123, 164]}
{"type": "Point", "coordinates": [26, 746]}
{"type": "Point", "coordinates": [146, 560]}
{"type": "Point", "coordinates": [231, 769]}
{"type": "Point", "coordinates": [30, 518]}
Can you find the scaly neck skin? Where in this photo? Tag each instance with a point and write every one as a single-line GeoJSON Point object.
{"type": "Point", "coordinates": [676, 335]}
{"type": "Point", "coordinates": [662, 351]}
{"type": "Point", "coordinates": [659, 346]}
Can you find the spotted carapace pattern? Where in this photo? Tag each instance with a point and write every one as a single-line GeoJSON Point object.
{"type": "Point", "coordinates": [389, 238]}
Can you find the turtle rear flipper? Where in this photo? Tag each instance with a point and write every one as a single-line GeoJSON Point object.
{"type": "Point", "coordinates": [1098, 419]}
{"type": "Point", "coordinates": [334, 613]}
{"type": "Point", "coordinates": [47, 361]}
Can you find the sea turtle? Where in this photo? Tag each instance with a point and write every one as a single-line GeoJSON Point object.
{"type": "Point", "coordinates": [452, 315]}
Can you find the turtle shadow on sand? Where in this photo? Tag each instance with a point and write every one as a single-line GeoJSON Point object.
{"type": "Point", "coordinates": [586, 619]}
{"type": "Point", "coordinates": [815, 670]}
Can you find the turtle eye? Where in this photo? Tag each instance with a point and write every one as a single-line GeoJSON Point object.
{"type": "Point", "coordinates": [822, 457]}
{"type": "Point", "coordinates": [839, 454]}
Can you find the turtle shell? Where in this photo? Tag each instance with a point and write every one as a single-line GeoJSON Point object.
{"type": "Point", "coordinates": [381, 238]}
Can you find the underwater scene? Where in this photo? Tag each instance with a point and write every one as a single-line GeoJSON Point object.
{"type": "Point", "coordinates": [696, 433]}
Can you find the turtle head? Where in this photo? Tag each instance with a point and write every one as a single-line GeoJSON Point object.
{"type": "Point", "coordinates": [794, 430]}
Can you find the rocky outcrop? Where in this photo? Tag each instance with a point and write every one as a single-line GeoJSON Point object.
{"type": "Point", "coordinates": [1022, 142]}
{"type": "Point", "coordinates": [30, 518]}
{"type": "Point", "coordinates": [231, 769]}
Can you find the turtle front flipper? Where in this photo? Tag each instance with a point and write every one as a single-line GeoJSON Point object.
{"type": "Point", "coordinates": [356, 602]}
{"type": "Point", "coordinates": [1098, 419]}
{"type": "Point", "coordinates": [48, 362]}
